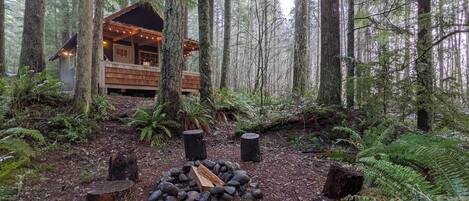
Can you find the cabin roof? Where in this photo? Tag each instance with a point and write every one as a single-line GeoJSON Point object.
{"type": "Point", "coordinates": [138, 19]}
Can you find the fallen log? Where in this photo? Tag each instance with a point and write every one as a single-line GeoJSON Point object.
{"type": "Point", "coordinates": [112, 191]}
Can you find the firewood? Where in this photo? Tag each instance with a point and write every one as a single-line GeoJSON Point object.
{"type": "Point", "coordinates": [205, 172]}
{"type": "Point", "coordinates": [112, 191]}
{"type": "Point", "coordinates": [203, 183]}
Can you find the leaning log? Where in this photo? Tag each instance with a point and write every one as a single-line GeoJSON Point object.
{"type": "Point", "coordinates": [194, 145]}
{"type": "Point", "coordinates": [250, 147]}
{"type": "Point", "coordinates": [342, 182]}
{"type": "Point", "coordinates": [112, 191]}
{"type": "Point", "coordinates": [123, 166]}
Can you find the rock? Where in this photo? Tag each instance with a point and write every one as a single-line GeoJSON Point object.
{"type": "Point", "coordinates": [168, 188]}
{"type": "Point", "coordinates": [247, 197]}
{"type": "Point", "coordinates": [216, 169]}
{"type": "Point", "coordinates": [192, 183]}
{"type": "Point", "coordinates": [205, 196]}
{"type": "Point", "coordinates": [175, 172]}
{"type": "Point", "coordinates": [182, 195]}
{"type": "Point", "coordinates": [221, 162]}
{"type": "Point", "coordinates": [192, 196]}
{"type": "Point", "coordinates": [233, 183]}
{"type": "Point", "coordinates": [197, 163]}
{"type": "Point", "coordinates": [227, 197]}
{"type": "Point", "coordinates": [226, 176]}
{"type": "Point", "coordinates": [208, 163]}
{"type": "Point", "coordinates": [230, 190]}
{"type": "Point", "coordinates": [166, 174]}
{"type": "Point", "coordinates": [257, 194]}
{"type": "Point", "coordinates": [217, 190]}
{"type": "Point", "coordinates": [341, 182]}
{"type": "Point", "coordinates": [241, 178]}
{"type": "Point", "coordinates": [254, 185]}
{"type": "Point", "coordinates": [187, 167]}
{"type": "Point", "coordinates": [156, 195]}
{"type": "Point", "coordinates": [183, 178]}
{"type": "Point", "coordinates": [223, 169]}
{"type": "Point", "coordinates": [240, 172]}
{"type": "Point", "coordinates": [170, 198]}
{"type": "Point", "coordinates": [242, 190]}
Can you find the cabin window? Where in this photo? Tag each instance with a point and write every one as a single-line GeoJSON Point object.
{"type": "Point", "coordinates": [148, 58]}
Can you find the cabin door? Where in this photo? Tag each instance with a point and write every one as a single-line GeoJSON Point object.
{"type": "Point", "coordinates": [123, 54]}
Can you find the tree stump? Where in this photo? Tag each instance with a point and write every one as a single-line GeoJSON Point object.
{"type": "Point", "coordinates": [112, 191]}
{"type": "Point", "coordinates": [194, 145]}
{"type": "Point", "coordinates": [123, 167]}
{"type": "Point", "coordinates": [342, 182]}
{"type": "Point", "coordinates": [250, 147]}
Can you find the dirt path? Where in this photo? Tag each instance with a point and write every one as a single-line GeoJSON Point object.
{"type": "Point", "coordinates": [67, 173]}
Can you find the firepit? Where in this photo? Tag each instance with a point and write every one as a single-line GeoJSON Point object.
{"type": "Point", "coordinates": [206, 180]}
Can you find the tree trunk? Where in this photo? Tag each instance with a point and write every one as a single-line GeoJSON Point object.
{"type": "Point", "coordinates": [466, 14]}
{"type": "Point", "coordinates": [3, 68]}
{"type": "Point", "coordinates": [424, 67]}
{"type": "Point", "coordinates": [300, 63]}
{"type": "Point", "coordinates": [341, 182]}
{"type": "Point", "coordinates": [32, 45]}
{"type": "Point", "coordinates": [66, 16]}
{"type": "Point", "coordinates": [82, 98]}
{"type": "Point", "coordinates": [97, 56]}
{"type": "Point", "coordinates": [205, 58]}
{"type": "Point", "coordinates": [226, 46]}
{"type": "Point", "coordinates": [351, 55]}
{"type": "Point", "coordinates": [186, 33]}
{"type": "Point", "coordinates": [211, 8]}
{"type": "Point", "coordinates": [330, 87]}
{"type": "Point", "coordinates": [172, 58]}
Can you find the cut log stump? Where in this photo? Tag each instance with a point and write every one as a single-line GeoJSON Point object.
{"type": "Point", "coordinates": [194, 145]}
{"type": "Point", "coordinates": [112, 191]}
{"type": "Point", "coordinates": [123, 166]}
{"type": "Point", "coordinates": [250, 147]}
{"type": "Point", "coordinates": [342, 182]}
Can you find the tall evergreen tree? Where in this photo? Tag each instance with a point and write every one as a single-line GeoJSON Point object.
{"type": "Point", "coordinates": [330, 87]}
{"type": "Point", "coordinates": [32, 45]}
{"type": "Point", "coordinates": [3, 68]}
{"type": "Point", "coordinates": [82, 98]}
{"type": "Point", "coordinates": [225, 67]}
{"type": "Point", "coordinates": [205, 58]}
{"type": "Point", "coordinates": [351, 55]}
{"type": "Point", "coordinates": [301, 63]}
{"type": "Point", "coordinates": [172, 58]}
{"type": "Point", "coordinates": [97, 55]}
{"type": "Point", "coordinates": [424, 67]}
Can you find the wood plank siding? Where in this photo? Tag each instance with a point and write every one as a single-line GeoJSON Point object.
{"type": "Point", "coordinates": [137, 77]}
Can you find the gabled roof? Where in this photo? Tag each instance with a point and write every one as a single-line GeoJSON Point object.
{"type": "Point", "coordinates": [140, 15]}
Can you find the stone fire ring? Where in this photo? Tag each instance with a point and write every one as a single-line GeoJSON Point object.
{"type": "Point", "coordinates": [178, 184]}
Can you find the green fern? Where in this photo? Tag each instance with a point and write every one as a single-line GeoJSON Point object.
{"type": "Point", "coordinates": [152, 125]}
{"type": "Point", "coordinates": [395, 180]}
{"type": "Point", "coordinates": [195, 115]}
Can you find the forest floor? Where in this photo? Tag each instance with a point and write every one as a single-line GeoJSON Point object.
{"type": "Point", "coordinates": [68, 172]}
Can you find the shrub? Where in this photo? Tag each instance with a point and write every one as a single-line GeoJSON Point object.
{"type": "Point", "coordinates": [195, 115]}
{"type": "Point", "coordinates": [153, 125]}
{"type": "Point", "coordinates": [101, 108]}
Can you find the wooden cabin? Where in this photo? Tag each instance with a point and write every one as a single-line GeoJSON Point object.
{"type": "Point", "coordinates": [132, 38]}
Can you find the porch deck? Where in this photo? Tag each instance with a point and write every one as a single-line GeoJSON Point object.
{"type": "Point", "coordinates": [137, 77]}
